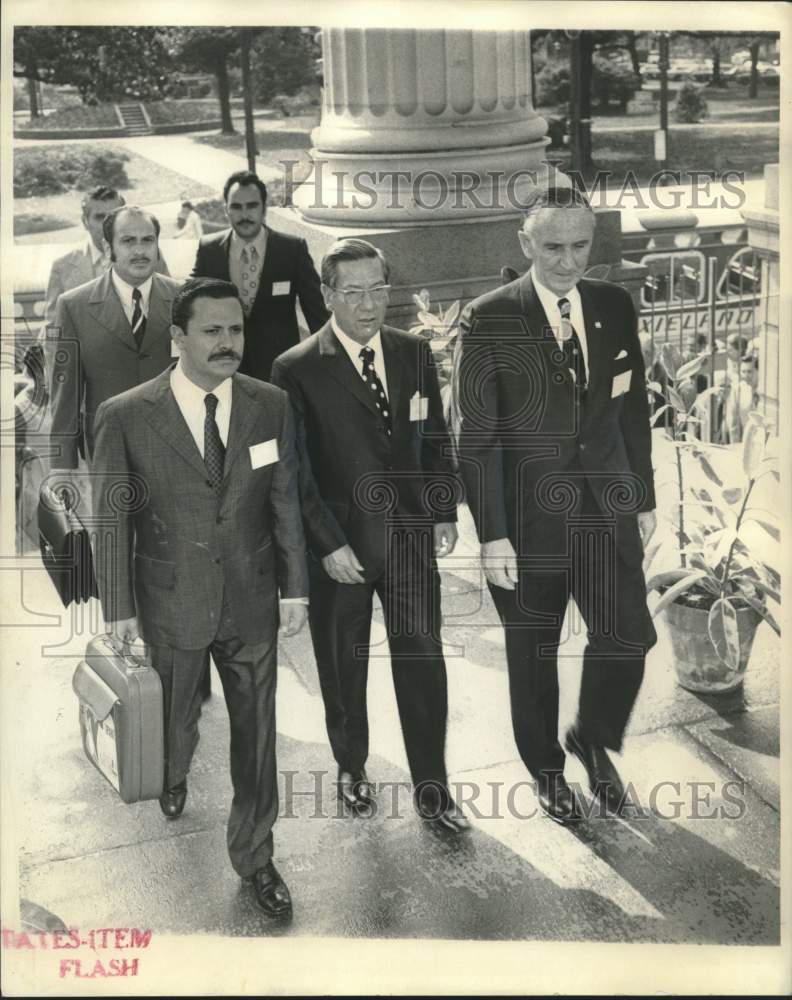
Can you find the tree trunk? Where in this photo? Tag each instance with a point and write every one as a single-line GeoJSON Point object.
{"type": "Point", "coordinates": [717, 80]}
{"type": "Point", "coordinates": [753, 84]}
{"type": "Point", "coordinates": [224, 94]}
{"type": "Point", "coordinates": [35, 110]}
{"type": "Point", "coordinates": [632, 48]}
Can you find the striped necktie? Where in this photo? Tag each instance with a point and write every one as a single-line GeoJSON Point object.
{"type": "Point", "coordinates": [573, 352]}
{"type": "Point", "coordinates": [138, 318]}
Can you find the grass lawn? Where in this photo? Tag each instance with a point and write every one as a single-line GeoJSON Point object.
{"type": "Point", "coordinates": [690, 148]}
{"type": "Point", "coordinates": [150, 184]}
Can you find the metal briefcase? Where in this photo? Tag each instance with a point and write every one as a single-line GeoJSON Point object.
{"type": "Point", "coordinates": [121, 719]}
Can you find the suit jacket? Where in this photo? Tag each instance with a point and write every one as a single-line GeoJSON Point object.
{"type": "Point", "coordinates": [522, 436]}
{"type": "Point", "coordinates": [177, 545]}
{"type": "Point", "coordinates": [271, 326]}
{"type": "Point", "coordinates": [356, 478]}
{"type": "Point", "coordinates": [97, 356]}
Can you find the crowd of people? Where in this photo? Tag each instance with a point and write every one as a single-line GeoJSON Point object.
{"type": "Point", "coordinates": [272, 480]}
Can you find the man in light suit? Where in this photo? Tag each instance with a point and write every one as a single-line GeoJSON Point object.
{"type": "Point", "coordinates": [379, 503]}
{"type": "Point", "coordinates": [271, 270]}
{"type": "Point", "coordinates": [84, 263]}
{"type": "Point", "coordinates": [114, 332]}
{"type": "Point", "coordinates": [555, 453]}
{"type": "Point", "coordinates": [206, 537]}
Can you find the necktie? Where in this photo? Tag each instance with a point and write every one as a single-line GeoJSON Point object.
{"type": "Point", "coordinates": [214, 449]}
{"type": "Point", "coordinates": [138, 319]}
{"type": "Point", "coordinates": [376, 388]}
{"type": "Point", "coordinates": [249, 277]}
{"type": "Point", "coordinates": [573, 352]}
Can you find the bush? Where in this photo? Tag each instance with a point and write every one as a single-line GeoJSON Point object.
{"type": "Point", "coordinates": [690, 105]}
{"type": "Point", "coordinates": [612, 81]}
{"type": "Point", "coordinates": [552, 85]}
{"type": "Point", "coordinates": [57, 169]}
{"type": "Point", "coordinates": [99, 116]}
{"type": "Point", "coordinates": [173, 112]}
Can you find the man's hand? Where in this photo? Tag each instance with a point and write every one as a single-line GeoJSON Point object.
{"type": "Point", "coordinates": [292, 617]}
{"type": "Point", "coordinates": [647, 523]}
{"type": "Point", "coordinates": [123, 633]}
{"type": "Point", "coordinates": [343, 566]}
{"type": "Point", "coordinates": [500, 563]}
{"type": "Point", "coordinates": [445, 539]}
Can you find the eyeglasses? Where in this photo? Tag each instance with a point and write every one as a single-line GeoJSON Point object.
{"type": "Point", "coordinates": [355, 296]}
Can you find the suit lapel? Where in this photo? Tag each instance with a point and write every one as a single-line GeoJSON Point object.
{"type": "Point", "coordinates": [223, 252]}
{"type": "Point", "coordinates": [158, 318]}
{"type": "Point", "coordinates": [394, 368]}
{"type": "Point", "coordinates": [595, 340]}
{"type": "Point", "coordinates": [244, 413]}
{"type": "Point", "coordinates": [337, 364]}
{"type": "Point", "coordinates": [166, 418]}
{"type": "Point", "coordinates": [265, 275]}
{"type": "Point", "coordinates": [106, 308]}
{"type": "Point", "coordinates": [538, 324]}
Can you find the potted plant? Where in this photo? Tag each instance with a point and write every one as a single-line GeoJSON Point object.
{"type": "Point", "coordinates": [713, 570]}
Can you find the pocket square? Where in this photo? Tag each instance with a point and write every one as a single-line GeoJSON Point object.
{"type": "Point", "coordinates": [621, 383]}
{"type": "Point", "coordinates": [620, 355]}
{"type": "Point", "coordinates": [281, 287]}
{"type": "Point", "coordinates": [263, 453]}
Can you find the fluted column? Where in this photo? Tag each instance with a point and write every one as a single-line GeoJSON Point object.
{"type": "Point", "coordinates": [423, 126]}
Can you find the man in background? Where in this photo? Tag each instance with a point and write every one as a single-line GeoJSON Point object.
{"type": "Point", "coordinates": [272, 272]}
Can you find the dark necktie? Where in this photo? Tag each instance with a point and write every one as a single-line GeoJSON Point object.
{"type": "Point", "coordinates": [214, 449]}
{"type": "Point", "coordinates": [138, 319]}
{"type": "Point", "coordinates": [573, 352]}
{"type": "Point", "coordinates": [369, 373]}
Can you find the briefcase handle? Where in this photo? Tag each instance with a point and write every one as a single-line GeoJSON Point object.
{"type": "Point", "coordinates": [137, 653]}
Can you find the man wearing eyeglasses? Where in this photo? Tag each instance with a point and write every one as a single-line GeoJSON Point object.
{"type": "Point", "coordinates": [379, 504]}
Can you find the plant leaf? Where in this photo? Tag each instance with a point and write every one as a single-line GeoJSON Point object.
{"type": "Point", "coordinates": [670, 358]}
{"type": "Point", "coordinates": [678, 402]}
{"type": "Point", "coordinates": [709, 472]}
{"type": "Point", "coordinates": [732, 494]}
{"type": "Point", "coordinates": [690, 367]}
{"type": "Point", "coordinates": [771, 529]}
{"type": "Point", "coordinates": [660, 412]}
{"type": "Point", "coordinates": [753, 448]}
{"type": "Point", "coordinates": [722, 627]}
{"type": "Point", "coordinates": [678, 588]}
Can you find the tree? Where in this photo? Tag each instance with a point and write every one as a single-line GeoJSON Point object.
{"type": "Point", "coordinates": [284, 59]}
{"type": "Point", "coordinates": [104, 64]}
{"type": "Point", "coordinates": [209, 49]}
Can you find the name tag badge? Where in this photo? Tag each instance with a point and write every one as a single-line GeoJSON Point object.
{"type": "Point", "coordinates": [174, 348]}
{"type": "Point", "coordinates": [263, 453]}
{"type": "Point", "coordinates": [281, 287]}
{"type": "Point", "coordinates": [419, 407]}
{"type": "Point", "coordinates": [621, 384]}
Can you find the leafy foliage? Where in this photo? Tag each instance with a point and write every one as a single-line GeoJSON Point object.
{"type": "Point", "coordinates": [691, 105]}
{"type": "Point", "coordinates": [55, 170]}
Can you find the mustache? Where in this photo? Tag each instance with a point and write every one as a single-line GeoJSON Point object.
{"type": "Point", "coordinates": [219, 355]}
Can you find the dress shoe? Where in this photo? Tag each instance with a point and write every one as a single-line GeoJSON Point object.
{"type": "Point", "coordinates": [356, 792]}
{"type": "Point", "coordinates": [441, 811]}
{"type": "Point", "coordinates": [604, 780]}
{"type": "Point", "coordinates": [272, 894]}
{"type": "Point", "coordinates": [172, 800]}
{"type": "Point", "coordinates": [556, 798]}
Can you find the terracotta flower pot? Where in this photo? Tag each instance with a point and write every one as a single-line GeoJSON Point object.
{"type": "Point", "coordinates": [698, 666]}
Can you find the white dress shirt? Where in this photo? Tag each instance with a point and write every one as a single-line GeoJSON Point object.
{"type": "Point", "coordinates": [98, 258]}
{"type": "Point", "coordinates": [235, 256]}
{"type": "Point", "coordinates": [124, 292]}
{"type": "Point", "coordinates": [353, 349]}
{"type": "Point", "coordinates": [190, 400]}
{"type": "Point", "coordinates": [549, 302]}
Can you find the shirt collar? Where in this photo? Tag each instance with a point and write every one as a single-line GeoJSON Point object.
{"type": "Point", "coordinates": [94, 255]}
{"type": "Point", "coordinates": [549, 299]}
{"type": "Point", "coordinates": [260, 242]}
{"type": "Point", "coordinates": [185, 389]}
{"type": "Point", "coordinates": [125, 290]}
{"type": "Point", "coordinates": [352, 347]}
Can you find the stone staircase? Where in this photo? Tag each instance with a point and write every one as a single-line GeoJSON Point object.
{"type": "Point", "coordinates": [134, 119]}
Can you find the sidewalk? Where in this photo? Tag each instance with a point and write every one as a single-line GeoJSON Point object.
{"type": "Point", "coordinates": [675, 874]}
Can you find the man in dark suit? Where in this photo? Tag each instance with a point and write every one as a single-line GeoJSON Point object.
{"type": "Point", "coordinates": [379, 502]}
{"type": "Point", "coordinates": [196, 475]}
{"type": "Point", "coordinates": [271, 271]}
{"type": "Point", "coordinates": [555, 454]}
{"type": "Point", "coordinates": [113, 332]}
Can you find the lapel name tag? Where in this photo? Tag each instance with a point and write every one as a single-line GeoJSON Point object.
{"type": "Point", "coordinates": [419, 407]}
{"type": "Point", "coordinates": [621, 383]}
{"type": "Point", "coordinates": [263, 453]}
{"type": "Point", "coordinates": [281, 287]}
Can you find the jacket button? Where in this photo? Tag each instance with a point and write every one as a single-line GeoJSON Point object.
{"type": "Point", "coordinates": [217, 562]}
{"type": "Point", "coordinates": [582, 447]}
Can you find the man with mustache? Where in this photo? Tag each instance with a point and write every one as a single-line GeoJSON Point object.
{"type": "Point", "coordinates": [113, 332]}
{"type": "Point", "coordinates": [208, 537]}
{"type": "Point", "coordinates": [271, 270]}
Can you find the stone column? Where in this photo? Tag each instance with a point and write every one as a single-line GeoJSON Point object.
{"type": "Point", "coordinates": [422, 127]}
{"type": "Point", "coordinates": [763, 237]}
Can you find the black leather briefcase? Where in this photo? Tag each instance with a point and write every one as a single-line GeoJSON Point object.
{"type": "Point", "coordinates": [65, 549]}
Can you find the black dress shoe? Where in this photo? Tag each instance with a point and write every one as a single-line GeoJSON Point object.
{"type": "Point", "coordinates": [440, 810]}
{"type": "Point", "coordinates": [557, 799]}
{"type": "Point", "coordinates": [356, 792]}
{"type": "Point", "coordinates": [172, 800]}
{"type": "Point", "coordinates": [604, 780]}
{"type": "Point", "coordinates": [272, 894]}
